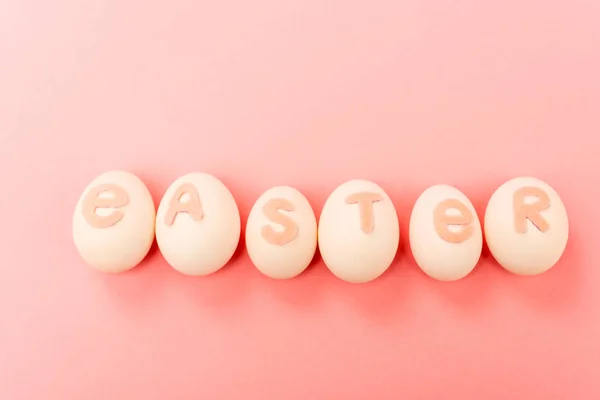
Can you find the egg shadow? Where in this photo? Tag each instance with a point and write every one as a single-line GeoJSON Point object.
{"type": "Point", "coordinates": [139, 288]}
{"type": "Point", "coordinates": [386, 298]}
{"type": "Point", "coordinates": [304, 290]}
{"type": "Point", "coordinates": [153, 253]}
{"type": "Point", "coordinates": [238, 254]}
{"type": "Point", "coordinates": [228, 286]}
{"type": "Point", "coordinates": [555, 290]}
{"type": "Point", "coordinates": [223, 289]}
{"type": "Point", "coordinates": [471, 293]}
{"type": "Point", "coordinates": [315, 262]}
{"type": "Point", "coordinates": [382, 300]}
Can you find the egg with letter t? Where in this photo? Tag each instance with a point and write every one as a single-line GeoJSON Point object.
{"type": "Point", "coordinates": [358, 231]}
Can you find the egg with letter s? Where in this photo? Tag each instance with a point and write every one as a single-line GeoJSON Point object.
{"type": "Point", "coordinates": [281, 233]}
{"type": "Point", "coordinates": [445, 234]}
{"type": "Point", "coordinates": [113, 222]}
{"type": "Point", "coordinates": [358, 232]}
{"type": "Point", "coordinates": [197, 224]}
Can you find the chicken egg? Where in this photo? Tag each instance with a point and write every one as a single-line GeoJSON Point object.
{"type": "Point", "coordinates": [197, 224]}
{"type": "Point", "coordinates": [358, 231]}
{"type": "Point", "coordinates": [113, 222]}
{"type": "Point", "coordinates": [281, 233]}
{"type": "Point", "coordinates": [526, 226]}
{"type": "Point", "coordinates": [445, 233]}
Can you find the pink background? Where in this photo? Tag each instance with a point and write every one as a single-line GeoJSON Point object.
{"type": "Point", "coordinates": [307, 93]}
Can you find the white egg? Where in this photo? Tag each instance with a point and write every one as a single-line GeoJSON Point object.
{"type": "Point", "coordinates": [197, 224]}
{"type": "Point", "coordinates": [445, 233]}
{"type": "Point", "coordinates": [358, 231]}
{"type": "Point", "coordinates": [113, 222]}
{"type": "Point", "coordinates": [526, 226]}
{"type": "Point", "coordinates": [281, 233]}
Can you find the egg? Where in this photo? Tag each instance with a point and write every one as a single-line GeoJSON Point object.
{"type": "Point", "coordinates": [526, 226]}
{"type": "Point", "coordinates": [197, 224]}
{"type": "Point", "coordinates": [281, 233]}
{"type": "Point", "coordinates": [445, 234]}
{"type": "Point", "coordinates": [358, 231]}
{"type": "Point", "coordinates": [113, 222]}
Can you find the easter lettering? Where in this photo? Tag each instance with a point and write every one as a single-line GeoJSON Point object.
{"type": "Point", "coordinates": [290, 228]}
{"type": "Point", "coordinates": [365, 202]}
{"type": "Point", "coordinates": [93, 200]}
{"type": "Point", "coordinates": [197, 227]}
{"type": "Point", "coordinates": [443, 220]}
{"type": "Point", "coordinates": [524, 211]}
{"type": "Point", "coordinates": [192, 205]}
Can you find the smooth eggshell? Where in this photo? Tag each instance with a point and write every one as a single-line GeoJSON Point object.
{"type": "Point", "coordinates": [351, 254]}
{"type": "Point", "coordinates": [438, 258]}
{"type": "Point", "coordinates": [123, 245]}
{"type": "Point", "coordinates": [534, 251]}
{"type": "Point", "coordinates": [199, 247]}
{"type": "Point", "coordinates": [290, 259]}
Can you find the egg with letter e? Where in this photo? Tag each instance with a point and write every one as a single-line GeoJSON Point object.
{"type": "Point", "coordinates": [197, 224]}
{"type": "Point", "coordinates": [526, 226]}
{"type": "Point", "coordinates": [113, 223]}
{"type": "Point", "coordinates": [445, 234]}
{"type": "Point", "coordinates": [358, 231]}
{"type": "Point", "coordinates": [281, 233]}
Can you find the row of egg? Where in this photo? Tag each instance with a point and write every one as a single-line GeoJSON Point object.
{"type": "Point", "coordinates": [197, 228]}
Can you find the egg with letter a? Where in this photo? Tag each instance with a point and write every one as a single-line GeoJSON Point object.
{"type": "Point", "coordinates": [445, 234]}
{"type": "Point", "coordinates": [358, 231]}
{"type": "Point", "coordinates": [281, 233]}
{"type": "Point", "coordinates": [113, 222]}
{"type": "Point", "coordinates": [197, 224]}
{"type": "Point", "coordinates": [526, 226]}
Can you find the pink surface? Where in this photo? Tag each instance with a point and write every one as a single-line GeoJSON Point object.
{"type": "Point", "coordinates": [305, 93]}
